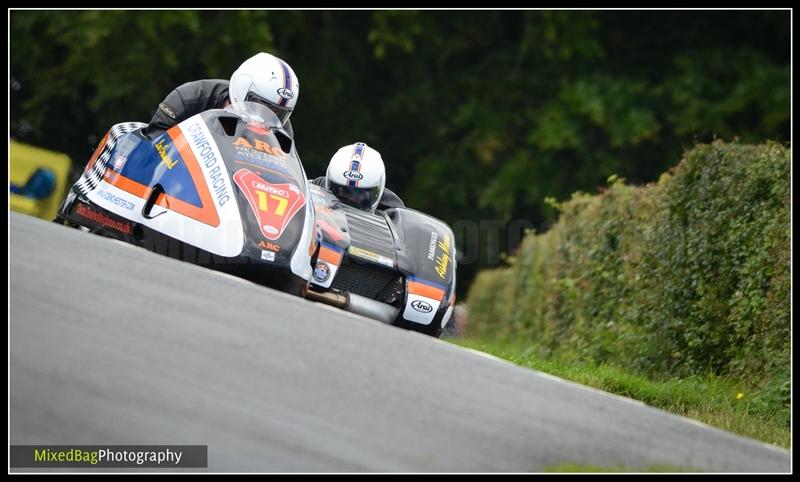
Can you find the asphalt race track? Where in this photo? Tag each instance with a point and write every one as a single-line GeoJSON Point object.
{"type": "Point", "coordinates": [112, 344]}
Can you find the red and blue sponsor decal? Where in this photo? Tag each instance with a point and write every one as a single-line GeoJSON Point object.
{"type": "Point", "coordinates": [273, 204]}
{"type": "Point", "coordinates": [166, 166]}
{"type": "Point", "coordinates": [168, 161]}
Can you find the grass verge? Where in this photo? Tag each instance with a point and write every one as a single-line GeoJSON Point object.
{"type": "Point", "coordinates": [716, 401]}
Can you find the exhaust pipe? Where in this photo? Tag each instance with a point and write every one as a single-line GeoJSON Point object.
{"type": "Point", "coordinates": [373, 309]}
{"type": "Point", "coordinates": [357, 304]}
{"type": "Point", "coordinates": [338, 300]}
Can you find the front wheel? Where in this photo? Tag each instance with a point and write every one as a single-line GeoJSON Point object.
{"type": "Point", "coordinates": [65, 222]}
{"type": "Point", "coordinates": [66, 203]}
{"type": "Point", "coordinates": [434, 329]}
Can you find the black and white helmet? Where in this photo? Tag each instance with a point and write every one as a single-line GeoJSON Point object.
{"type": "Point", "coordinates": [356, 175]}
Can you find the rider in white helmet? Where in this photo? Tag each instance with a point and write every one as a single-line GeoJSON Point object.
{"type": "Point", "coordinates": [262, 78]}
{"type": "Point", "coordinates": [356, 175]}
{"type": "Point", "coordinates": [268, 80]}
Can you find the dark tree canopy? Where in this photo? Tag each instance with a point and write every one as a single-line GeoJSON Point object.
{"type": "Point", "coordinates": [479, 115]}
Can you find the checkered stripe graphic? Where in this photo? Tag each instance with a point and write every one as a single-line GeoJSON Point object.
{"type": "Point", "coordinates": [89, 181]}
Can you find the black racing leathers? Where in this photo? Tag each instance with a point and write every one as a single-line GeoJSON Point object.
{"type": "Point", "coordinates": [189, 99]}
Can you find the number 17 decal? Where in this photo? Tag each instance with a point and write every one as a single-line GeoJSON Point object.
{"type": "Point", "coordinates": [263, 206]}
{"type": "Point", "coordinates": [273, 204]}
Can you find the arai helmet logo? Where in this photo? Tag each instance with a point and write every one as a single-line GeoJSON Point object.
{"type": "Point", "coordinates": [285, 93]}
{"type": "Point", "coordinates": [421, 306]}
{"type": "Point", "coordinates": [353, 175]}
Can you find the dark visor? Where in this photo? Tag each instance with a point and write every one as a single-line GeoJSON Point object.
{"type": "Point", "coordinates": [361, 198]}
{"type": "Point", "coordinates": [283, 113]}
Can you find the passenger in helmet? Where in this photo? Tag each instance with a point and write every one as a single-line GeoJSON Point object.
{"type": "Point", "coordinates": [357, 177]}
{"type": "Point", "coordinates": [262, 78]}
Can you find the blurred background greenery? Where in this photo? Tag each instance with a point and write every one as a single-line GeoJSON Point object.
{"type": "Point", "coordinates": [478, 114]}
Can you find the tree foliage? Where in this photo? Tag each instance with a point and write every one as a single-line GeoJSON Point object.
{"type": "Point", "coordinates": [478, 114]}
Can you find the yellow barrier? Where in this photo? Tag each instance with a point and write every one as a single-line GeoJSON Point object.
{"type": "Point", "coordinates": [24, 160]}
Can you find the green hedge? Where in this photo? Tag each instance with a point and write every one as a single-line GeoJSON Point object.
{"type": "Point", "coordinates": [686, 276]}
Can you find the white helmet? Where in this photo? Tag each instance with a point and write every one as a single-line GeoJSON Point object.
{"type": "Point", "coordinates": [268, 80]}
{"type": "Point", "coordinates": [356, 176]}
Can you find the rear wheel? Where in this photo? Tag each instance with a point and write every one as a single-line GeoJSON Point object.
{"type": "Point", "coordinates": [433, 329]}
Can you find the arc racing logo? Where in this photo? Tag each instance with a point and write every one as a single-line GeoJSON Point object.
{"type": "Point", "coordinates": [269, 246]}
{"type": "Point", "coordinates": [259, 145]}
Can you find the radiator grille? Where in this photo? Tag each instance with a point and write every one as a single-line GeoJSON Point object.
{"type": "Point", "coordinates": [365, 280]}
{"type": "Point", "coordinates": [370, 231]}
